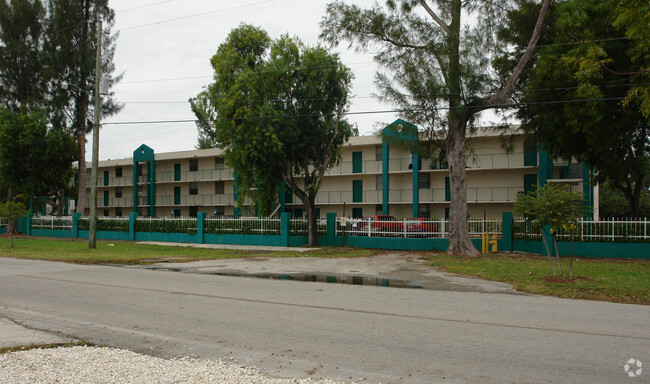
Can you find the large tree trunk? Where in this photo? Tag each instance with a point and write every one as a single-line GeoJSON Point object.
{"type": "Point", "coordinates": [459, 240]}
{"type": "Point", "coordinates": [312, 227]}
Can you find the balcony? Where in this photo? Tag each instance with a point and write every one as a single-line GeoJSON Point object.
{"type": "Point", "coordinates": [184, 176]}
{"type": "Point", "coordinates": [191, 200]}
{"type": "Point", "coordinates": [345, 168]}
{"type": "Point", "coordinates": [340, 197]}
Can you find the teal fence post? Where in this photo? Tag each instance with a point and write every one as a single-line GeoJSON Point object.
{"type": "Point", "coordinates": [331, 228]}
{"type": "Point", "coordinates": [285, 228]}
{"type": "Point", "coordinates": [28, 224]}
{"type": "Point", "coordinates": [75, 225]}
{"type": "Point", "coordinates": [200, 227]}
{"type": "Point", "coordinates": [506, 241]}
{"type": "Point", "coordinates": [132, 217]}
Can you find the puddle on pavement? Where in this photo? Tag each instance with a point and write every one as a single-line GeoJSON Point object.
{"type": "Point", "coordinates": [321, 278]}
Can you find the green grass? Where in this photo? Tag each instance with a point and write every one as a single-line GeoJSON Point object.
{"type": "Point", "coordinates": [608, 280]}
{"type": "Point", "coordinates": [116, 252]}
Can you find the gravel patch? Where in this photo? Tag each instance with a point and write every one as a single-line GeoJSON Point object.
{"type": "Point", "coordinates": [91, 365]}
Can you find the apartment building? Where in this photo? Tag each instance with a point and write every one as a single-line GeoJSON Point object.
{"type": "Point", "coordinates": [374, 177]}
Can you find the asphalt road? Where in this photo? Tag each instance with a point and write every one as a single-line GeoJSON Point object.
{"type": "Point", "coordinates": [357, 333]}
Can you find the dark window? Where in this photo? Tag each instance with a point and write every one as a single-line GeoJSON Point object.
{"type": "Point", "coordinates": [219, 188]}
{"type": "Point", "coordinates": [105, 178]}
{"type": "Point", "coordinates": [106, 213]}
{"type": "Point", "coordinates": [357, 191]}
{"type": "Point", "coordinates": [424, 210]}
{"type": "Point", "coordinates": [379, 181]}
{"type": "Point", "coordinates": [194, 210]}
{"type": "Point", "coordinates": [118, 211]}
{"type": "Point", "coordinates": [118, 171]}
{"type": "Point", "coordinates": [379, 153]}
{"type": "Point", "coordinates": [219, 211]}
{"type": "Point", "coordinates": [139, 170]}
{"type": "Point", "coordinates": [194, 165]}
{"type": "Point", "coordinates": [530, 153]}
{"type": "Point", "coordinates": [447, 189]}
{"type": "Point", "coordinates": [105, 199]}
{"type": "Point", "coordinates": [219, 163]}
{"type": "Point", "coordinates": [177, 212]}
{"type": "Point", "coordinates": [357, 212]}
{"type": "Point", "coordinates": [177, 172]}
{"type": "Point", "coordinates": [118, 192]}
{"type": "Point", "coordinates": [177, 195]}
{"type": "Point", "coordinates": [529, 182]}
{"type": "Point", "coordinates": [379, 209]}
{"type": "Point", "coordinates": [357, 162]}
{"type": "Point", "coordinates": [194, 188]}
{"type": "Point", "coordinates": [424, 181]}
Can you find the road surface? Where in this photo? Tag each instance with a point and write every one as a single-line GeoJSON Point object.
{"type": "Point", "coordinates": [357, 333]}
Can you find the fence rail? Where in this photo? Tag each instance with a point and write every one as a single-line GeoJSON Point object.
{"type": "Point", "coordinates": [52, 222]}
{"type": "Point", "coordinates": [243, 226]}
{"type": "Point", "coordinates": [413, 227]}
{"type": "Point", "coordinates": [604, 230]}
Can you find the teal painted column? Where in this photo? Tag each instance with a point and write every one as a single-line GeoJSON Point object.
{"type": "Point", "coordinates": [384, 178]}
{"type": "Point", "coordinates": [135, 186]}
{"type": "Point", "coordinates": [331, 228]}
{"type": "Point", "coordinates": [28, 224]}
{"type": "Point", "coordinates": [587, 191]}
{"type": "Point", "coordinates": [200, 227]}
{"type": "Point", "coordinates": [506, 241]}
{"type": "Point", "coordinates": [545, 167]}
{"type": "Point", "coordinates": [132, 217]}
{"type": "Point", "coordinates": [43, 205]}
{"type": "Point", "coordinates": [75, 225]}
{"type": "Point", "coordinates": [285, 228]}
{"type": "Point", "coordinates": [416, 185]}
{"type": "Point", "coordinates": [152, 188]}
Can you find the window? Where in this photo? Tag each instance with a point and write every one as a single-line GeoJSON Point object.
{"type": "Point", "coordinates": [379, 182]}
{"type": "Point", "coordinates": [194, 188]}
{"type": "Point", "coordinates": [357, 191]}
{"type": "Point", "coordinates": [529, 182]}
{"type": "Point", "coordinates": [177, 212]}
{"type": "Point", "coordinates": [194, 210]}
{"type": "Point", "coordinates": [357, 212]}
{"type": "Point", "coordinates": [118, 211]}
{"type": "Point", "coordinates": [357, 162]}
{"type": "Point", "coordinates": [118, 171]}
{"type": "Point", "coordinates": [424, 211]}
{"type": "Point", "coordinates": [379, 154]}
{"type": "Point", "coordinates": [424, 181]}
{"type": "Point", "coordinates": [177, 195]}
{"type": "Point", "coordinates": [194, 165]}
{"type": "Point", "coordinates": [106, 213]}
{"type": "Point", "coordinates": [219, 163]}
{"type": "Point", "coordinates": [105, 199]}
{"type": "Point", "coordinates": [219, 188]}
{"type": "Point", "coordinates": [105, 178]}
{"type": "Point", "coordinates": [219, 211]}
{"type": "Point", "coordinates": [118, 192]}
{"type": "Point", "coordinates": [530, 152]}
{"type": "Point", "coordinates": [379, 209]}
{"type": "Point", "coordinates": [177, 172]}
{"type": "Point", "coordinates": [447, 190]}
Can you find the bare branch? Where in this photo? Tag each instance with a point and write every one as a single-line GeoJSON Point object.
{"type": "Point", "coordinates": [433, 15]}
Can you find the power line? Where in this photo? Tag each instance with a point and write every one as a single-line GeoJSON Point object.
{"type": "Point", "coordinates": [394, 111]}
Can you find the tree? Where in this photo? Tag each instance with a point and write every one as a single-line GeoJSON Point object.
{"type": "Point", "coordinates": [556, 207]}
{"type": "Point", "coordinates": [277, 109]}
{"type": "Point", "coordinates": [70, 48]}
{"type": "Point", "coordinates": [440, 69]}
{"type": "Point", "coordinates": [12, 211]}
{"type": "Point", "coordinates": [587, 94]}
{"type": "Point", "coordinates": [22, 84]}
{"type": "Point", "coordinates": [22, 142]}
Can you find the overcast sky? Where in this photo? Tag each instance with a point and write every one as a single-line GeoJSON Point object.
{"type": "Point", "coordinates": [164, 49]}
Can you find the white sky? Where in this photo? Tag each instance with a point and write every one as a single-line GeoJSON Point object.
{"type": "Point", "coordinates": [151, 49]}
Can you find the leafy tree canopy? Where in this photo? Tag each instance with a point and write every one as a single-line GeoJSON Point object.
{"type": "Point", "coordinates": [584, 97]}
{"type": "Point", "coordinates": [276, 107]}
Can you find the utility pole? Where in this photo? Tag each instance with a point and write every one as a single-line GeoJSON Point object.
{"type": "Point", "coordinates": [92, 235]}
